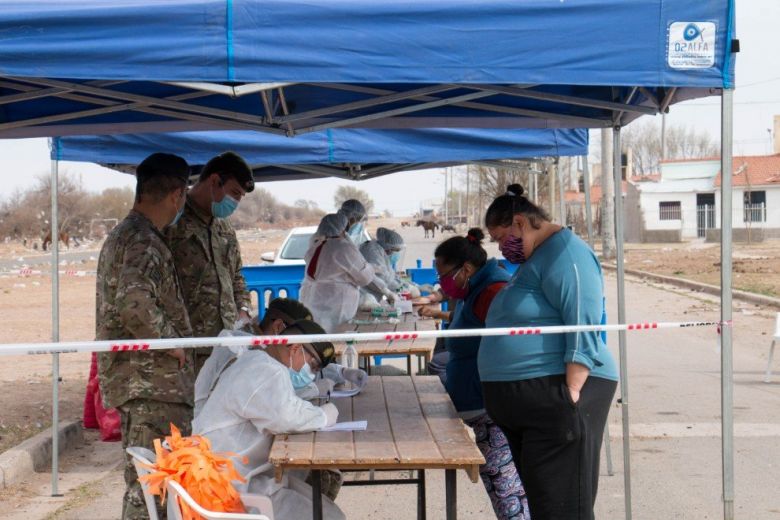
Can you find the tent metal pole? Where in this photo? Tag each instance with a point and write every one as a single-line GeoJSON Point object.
{"type": "Point", "coordinates": [561, 194]}
{"type": "Point", "coordinates": [588, 209]}
{"type": "Point", "coordinates": [55, 328]}
{"type": "Point", "coordinates": [579, 122]}
{"type": "Point", "coordinates": [621, 297]}
{"type": "Point", "coordinates": [726, 361]}
{"type": "Point", "coordinates": [523, 92]}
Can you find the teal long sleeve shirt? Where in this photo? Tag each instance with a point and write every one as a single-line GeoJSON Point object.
{"type": "Point", "coordinates": [560, 284]}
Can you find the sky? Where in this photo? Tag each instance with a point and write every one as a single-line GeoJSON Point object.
{"type": "Point", "coordinates": [757, 100]}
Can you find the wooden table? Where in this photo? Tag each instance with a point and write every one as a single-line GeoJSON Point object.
{"type": "Point", "coordinates": [422, 348]}
{"type": "Point", "coordinates": [412, 425]}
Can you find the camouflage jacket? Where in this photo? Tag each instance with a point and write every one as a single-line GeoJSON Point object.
{"type": "Point", "coordinates": [208, 260]}
{"type": "Point", "coordinates": [138, 297]}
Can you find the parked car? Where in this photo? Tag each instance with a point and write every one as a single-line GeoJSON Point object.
{"type": "Point", "coordinates": [294, 247]}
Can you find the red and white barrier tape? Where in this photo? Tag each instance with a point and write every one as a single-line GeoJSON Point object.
{"type": "Point", "coordinates": [238, 341]}
{"type": "Point", "coordinates": [27, 272]}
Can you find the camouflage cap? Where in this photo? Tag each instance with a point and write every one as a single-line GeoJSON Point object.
{"type": "Point", "coordinates": [288, 310]}
{"type": "Point", "coordinates": [325, 350]}
{"type": "Point", "coordinates": [230, 164]}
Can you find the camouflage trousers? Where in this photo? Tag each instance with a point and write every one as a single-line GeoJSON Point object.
{"type": "Point", "coordinates": [144, 420]}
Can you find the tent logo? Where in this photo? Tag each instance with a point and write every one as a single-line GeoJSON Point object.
{"type": "Point", "coordinates": [691, 45]}
{"type": "Point", "coordinates": [692, 32]}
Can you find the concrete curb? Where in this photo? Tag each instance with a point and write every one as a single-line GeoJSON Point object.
{"type": "Point", "coordinates": [701, 287]}
{"type": "Point", "coordinates": [34, 454]}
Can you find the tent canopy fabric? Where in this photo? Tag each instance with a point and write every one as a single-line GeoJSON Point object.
{"type": "Point", "coordinates": [288, 67]}
{"type": "Point", "coordinates": [351, 153]}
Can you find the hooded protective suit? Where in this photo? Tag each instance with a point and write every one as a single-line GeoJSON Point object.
{"type": "Point", "coordinates": [375, 254]}
{"type": "Point", "coordinates": [335, 270]}
{"type": "Point", "coordinates": [253, 400]}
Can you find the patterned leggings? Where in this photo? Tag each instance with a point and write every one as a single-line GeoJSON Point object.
{"type": "Point", "coordinates": [499, 474]}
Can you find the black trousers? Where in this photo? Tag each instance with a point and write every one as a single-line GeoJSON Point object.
{"type": "Point", "coordinates": [555, 443]}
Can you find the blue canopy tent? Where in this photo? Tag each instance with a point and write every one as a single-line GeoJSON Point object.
{"type": "Point", "coordinates": [290, 67]}
{"type": "Point", "coordinates": [71, 67]}
{"type": "Point", "coordinates": [354, 154]}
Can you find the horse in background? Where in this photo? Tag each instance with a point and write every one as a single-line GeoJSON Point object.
{"type": "Point", "coordinates": [448, 227]}
{"type": "Point", "coordinates": [64, 238]}
{"type": "Point", "coordinates": [428, 225]}
{"type": "Point", "coordinates": [405, 224]}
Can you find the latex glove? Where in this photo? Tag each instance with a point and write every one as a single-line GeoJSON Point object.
{"type": "Point", "coordinates": [331, 413]}
{"type": "Point", "coordinates": [390, 295]}
{"type": "Point", "coordinates": [242, 324]}
{"type": "Point", "coordinates": [357, 377]}
{"type": "Point", "coordinates": [324, 385]}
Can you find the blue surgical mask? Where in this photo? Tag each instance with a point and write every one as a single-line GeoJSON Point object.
{"type": "Point", "coordinates": [395, 256]}
{"type": "Point", "coordinates": [225, 207]}
{"type": "Point", "coordinates": [177, 217]}
{"type": "Point", "coordinates": [301, 378]}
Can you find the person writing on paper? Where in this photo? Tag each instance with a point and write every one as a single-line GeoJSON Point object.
{"type": "Point", "coordinates": [549, 393]}
{"type": "Point", "coordinates": [471, 281]}
{"type": "Point", "coordinates": [253, 400]}
{"type": "Point", "coordinates": [280, 314]}
{"type": "Point", "coordinates": [335, 271]}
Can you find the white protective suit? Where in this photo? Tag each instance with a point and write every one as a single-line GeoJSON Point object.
{"type": "Point", "coordinates": [375, 254]}
{"type": "Point", "coordinates": [332, 295]}
{"type": "Point", "coordinates": [253, 400]}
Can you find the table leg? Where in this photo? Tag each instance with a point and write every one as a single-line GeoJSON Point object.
{"type": "Point", "coordinates": [409, 364]}
{"type": "Point", "coordinates": [316, 494]}
{"type": "Point", "coordinates": [421, 494]}
{"type": "Point", "coordinates": [451, 494]}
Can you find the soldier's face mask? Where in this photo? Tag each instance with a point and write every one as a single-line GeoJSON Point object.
{"type": "Point", "coordinates": [180, 205]}
{"type": "Point", "coordinates": [227, 204]}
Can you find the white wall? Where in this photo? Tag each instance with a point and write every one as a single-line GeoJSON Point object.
{"type": "Point", "coordinates": [649, 202]}
{"type": "Point", "coordinates": [772, 208]}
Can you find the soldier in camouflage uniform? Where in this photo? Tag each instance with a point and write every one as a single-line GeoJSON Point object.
{"type": "Point", "coordinates": [206, 252]}
{"type": "Point", "coordinates": [138, 297]}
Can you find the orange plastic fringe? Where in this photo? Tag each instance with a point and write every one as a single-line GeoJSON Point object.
{"type": "Point", "coordinates": [205, 475]}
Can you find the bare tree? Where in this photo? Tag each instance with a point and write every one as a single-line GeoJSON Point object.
{"type": "Point", "coordinates": [350, 192]}
{"type": "Point", "coordinates": [682, 142]}
{"type": "Point", "coordinates": [493, 182]}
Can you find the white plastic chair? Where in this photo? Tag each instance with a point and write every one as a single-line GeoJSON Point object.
{"type": "Point", "coordinates": [144, 456]}
{"type": "Point", "coordinates": [775, 339]}
{"type": "Point", "coordinates": [176, 492]}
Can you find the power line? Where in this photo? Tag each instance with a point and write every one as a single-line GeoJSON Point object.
{"type": "Point", "coordinates": [770, 80]}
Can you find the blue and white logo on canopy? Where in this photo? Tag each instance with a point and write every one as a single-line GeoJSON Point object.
{"type": "Point", "coordinates": [691, 45]}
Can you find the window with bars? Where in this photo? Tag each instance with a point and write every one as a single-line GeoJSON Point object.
{"type": "Point", "coordinates": [754, 206]}
{"type": "Point", "coordinates": [670, 210]}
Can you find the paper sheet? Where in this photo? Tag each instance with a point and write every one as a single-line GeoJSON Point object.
{"type": "Point", "coordinates": [351, 426]}
{"type": "Point", "coordinates": [335, 394]}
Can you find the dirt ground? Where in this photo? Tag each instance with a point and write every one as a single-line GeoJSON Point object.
{"type": "Point", "coordinates": [25, 307]}
{"type": "Point", "coordinates": [756, 266]}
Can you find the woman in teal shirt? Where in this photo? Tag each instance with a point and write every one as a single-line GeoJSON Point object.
{"type": "Point", "coordinates": [549, 393]}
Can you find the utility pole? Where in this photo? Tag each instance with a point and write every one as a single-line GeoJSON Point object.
{"type": "Point", "coordinates": [607, 197]}
{"type": "Point", "coordinates": [663, 137]}
{"type": "Point", "coordinates": [550, 170]}
{"type": "Point", "coordinates": [468, 205]}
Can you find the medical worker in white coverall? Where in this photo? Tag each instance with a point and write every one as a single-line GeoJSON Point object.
{"type": "Point", "coordinates": [335, 272]}
{"type": "Point", "coordinates": [254, 399]}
